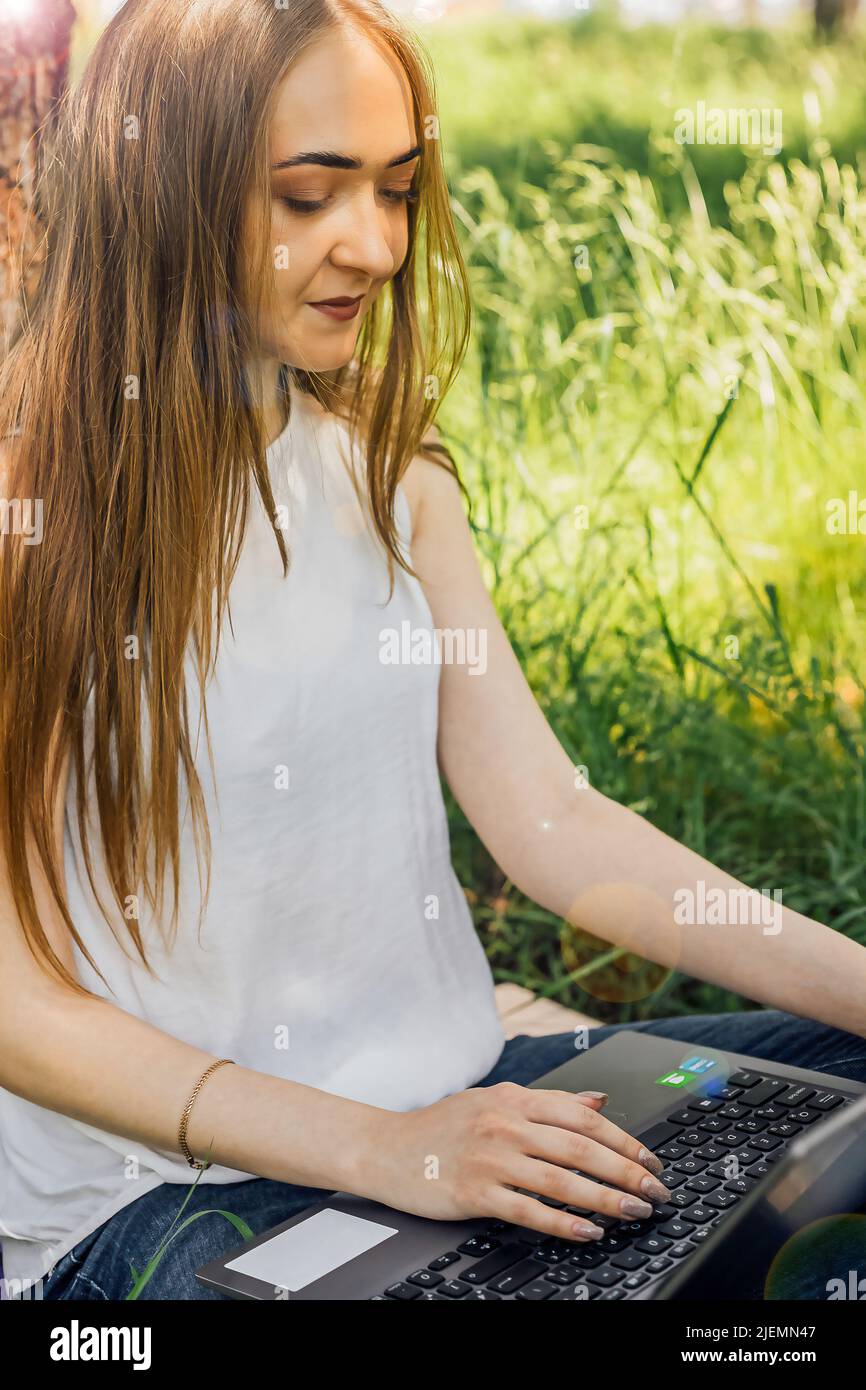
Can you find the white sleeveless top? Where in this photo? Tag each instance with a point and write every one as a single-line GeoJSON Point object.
{"type": "Point", "coordinates": [337, 948]}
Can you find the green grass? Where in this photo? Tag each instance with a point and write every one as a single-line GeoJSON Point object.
{"type": "Point", "coordinates": [506, 88]}
{"type": "Point", "coordinates": [698, 388]}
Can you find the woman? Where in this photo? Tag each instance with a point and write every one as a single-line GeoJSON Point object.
{"type": "Point", "coordinates": [222, 400]}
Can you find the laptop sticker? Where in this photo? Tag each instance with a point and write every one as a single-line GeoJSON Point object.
{"type": "Point", "coordinates": [307, 1252]}
{"type": "Point", "coordinates": [697, 1065]}
{"type": "Point", "coordinates": [673, 1078]}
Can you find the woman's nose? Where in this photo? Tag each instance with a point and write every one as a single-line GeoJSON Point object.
{"type": "Point", "coordinates": [366, 239]}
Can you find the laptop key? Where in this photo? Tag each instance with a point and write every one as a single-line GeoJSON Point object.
{"type": "Point", "coordinates": [825, 1100]}
{"type": "Point", "coordinates": [698, 1216]}
{"type": "Point", "coordinates": [612, 1295]}
{"type": "Point", "coordinates": [707, 1105]}
{"type": "Point", "coordinates": [629, 1260]}
{"type": "Point", "coordinates": [693, 1137]}
{"type": "Point", "coordinates": [653, 1245]}
{"type": "Point", "coordinates": [477, 1245]}
{"type": "Point", "coordinates": [659, 1265]}
{"type": "Point", "coordinates": [743, 1079]}
{"type": "Point", "coordinates": [784, 1129]}
{"type": "Point", "coordinates": [563, 1275]}
{"type": "Point", "coordinates": [700, 1234]}
{"type": "Point", "coordinates": [680, 1118]}
{"type": "Point", "coordinates": [733, 1111]}
{"type": "Point", "coordinates": [424, 1279]}
{"type": "Point", "coordinates": [764, 1142]}
{"type": "Point", "coordinates": [682, 1247]}
{"type": "Point", "coordinates": [729, 1092]}
{"type": "Point", "coordinates": [443, 1261]}
{"type": "Point", "coordinates": [663, 1211]}
{"type": "Point", "coordinates": [578, 1293]}
{"type": "Point", "coordinates": [770, 1112]}
{"type": "Point", "coordinates": [660, 1134]}
{"type": "Point", "coordinates": [671, 1151]}
{"type": "Point", "coordinates": [630, 1229]}
{"type": "Point", "coordinates": [796, 1095]}
{"type": "Point", "coordinates": [554, 1251]}
{"type": "Point", "coordinates": [605, 1222]}
{"type": "Point", "coordinates": [515, 1278]}
{"type": "Point", "coordinates": [453, 1289]}
{"type": "Point", "coordinates": [534, 1293]}
{"type": "Point", "coordinates": [730, 1166]}
{"type": "Point", "coordinates": [683, 1198]}
{"type": "Point", "coordinates": [713, 1125]}
{"type": "Point", "coordinates": [605, 1278]}
{"type": "Point", "coordinates": [587, 1259]}
{"type": "Point", "coordinates": [764, 1091]}
{"type": "Point", "coordinates": [690, 1166]}
{"type": "Point", "coordinates": [482, 1295]}
{"type": "Point", "coordinates": [671, 1179]}
{"type": "Point", "coordinates": [804, 1116]}
{"type": "Point", "coordinates": [702, 1184]}
{"type": "Point", "coordinates": [677, 1229]}
{"type": "Point", "coordinates": [740, 1185]}
{"type": "Point", "coordinates": [402, 1291]}
{"type": "Point", "coordinates": [723, 1200]}
{"type": "Point", "coordinates": [494, 1264]}
{"type": "Point", "coordinates": [711, 1152]}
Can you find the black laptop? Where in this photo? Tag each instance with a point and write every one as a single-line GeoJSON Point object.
{"type": "Point", "coordinates": [765, 1166]}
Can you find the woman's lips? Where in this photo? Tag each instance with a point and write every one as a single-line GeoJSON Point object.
{"type": "Point", "coordinates": [342, 308]}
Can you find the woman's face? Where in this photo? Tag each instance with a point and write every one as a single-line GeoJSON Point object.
{"type": "Point", "coordinates": [339, 141]}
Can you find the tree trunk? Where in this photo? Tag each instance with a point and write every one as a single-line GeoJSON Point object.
{"type": "Point", "coordinates": [34, 58]}
{"type": "Point", "coordinates": [833, 16]}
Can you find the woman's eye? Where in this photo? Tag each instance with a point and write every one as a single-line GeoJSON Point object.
{"type": "Point", "coordinates": [394, 195]}
{"type": "Point", "coordinates": [303, 205]}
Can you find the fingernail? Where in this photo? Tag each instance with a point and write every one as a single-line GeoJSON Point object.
{"type": "Point", "coordinates": [588, 1229]}
{"type": "Point", "coordinates": [653, 1188]}
{"type": "Point", "coordinates": [595, 1095]}
{"type": "Point", "coordinates": [633, 1206]}
{"type": "Point", "coordinates": [649, 1160]}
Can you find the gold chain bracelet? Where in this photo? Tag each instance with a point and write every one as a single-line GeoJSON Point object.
{"type": "Point", "coordinates": [184, 1119]}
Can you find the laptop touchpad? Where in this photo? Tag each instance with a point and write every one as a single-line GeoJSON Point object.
{"type": "Point", "coordinates": [306, 1252]}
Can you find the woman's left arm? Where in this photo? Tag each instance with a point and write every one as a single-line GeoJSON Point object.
{"type": "Point", "coordinates": [575, 851]}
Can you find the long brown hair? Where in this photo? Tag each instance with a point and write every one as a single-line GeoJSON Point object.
{"type": "Point", "coordinates": [134, 432]}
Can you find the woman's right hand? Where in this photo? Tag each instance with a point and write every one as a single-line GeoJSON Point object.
{"type": "Point", "coordinates": [464, 1156]}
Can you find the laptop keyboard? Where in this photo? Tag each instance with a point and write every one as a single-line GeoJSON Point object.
{"type": "Point", "coordinates": [716, 1149]}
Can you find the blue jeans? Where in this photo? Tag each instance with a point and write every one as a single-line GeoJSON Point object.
{"type": "Point", "coordinates": [99, 1266]}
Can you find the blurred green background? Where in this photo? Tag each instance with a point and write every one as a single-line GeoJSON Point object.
{"type": "Point", "coordinates": [670, 337]}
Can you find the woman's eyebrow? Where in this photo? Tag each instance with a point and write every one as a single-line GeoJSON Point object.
{"type": "Point", "coordinates": [340, 161]}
